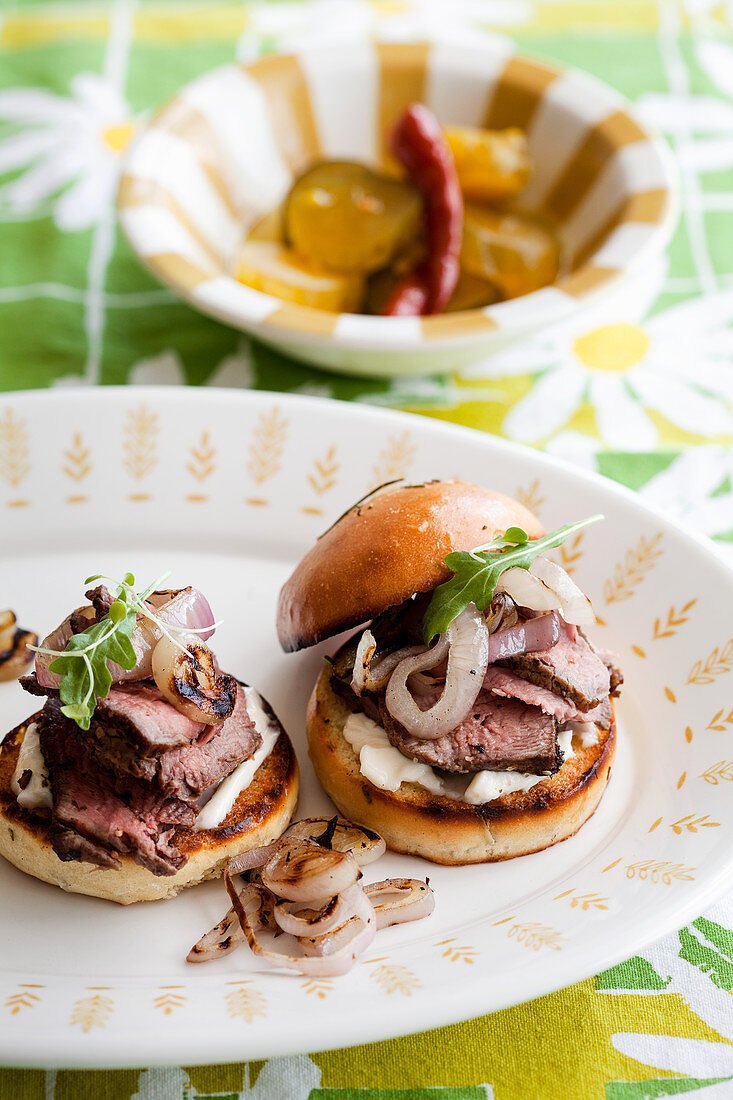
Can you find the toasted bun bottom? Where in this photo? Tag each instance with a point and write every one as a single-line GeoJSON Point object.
{"type": "Point", "coordinates": [415, 821]}
{"type": "Point", "coordinates": [261, 813]}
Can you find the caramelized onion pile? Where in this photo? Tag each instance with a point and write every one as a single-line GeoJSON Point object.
{"type": "Point", "coordinates": [300, 903]}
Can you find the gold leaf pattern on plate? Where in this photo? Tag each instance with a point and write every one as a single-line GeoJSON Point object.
{"type": "Point", "coordinates": [168, 999]}
{"type": "Point", "coordinates": [718, 773]}
{"type": "Point", "coordinates": [201, 464]}
{"type": "Point", "coordinates": [15, 461]}
{"type": "Point", "coordinates": [583, 901]}
{"type": "Point", "coordinates": [140, 446]}
{"type": "Point", "coordinates": [611, 866]}
{"type": "Point", "coordinates": [25, 998]}
{"type": "Point", "coordinates": [720, 720]}
{"type": "Point", "coordinates": [691, 824]}
{"type": "Point", "coordinates": [638, 561]}
{"type": "Point", "coordinates": [571, 552]}
{"type": "Point", "coordinates": [533, 934]}
{"type": "Point", "coordinates": [245, 1002]}
{"type": "Point", "coordinates": [77, 466]}
{"type": "Point", "coordinates": [659, 871]}
{"type": "Point", "coordinates": [267, 446]}
{"type": "Point", "coordinates": [318, 987]}
{"type": "Point", "coordinates": [531, 497]}
{"type": "Point", "coordinates": [674, 620]}
{"type": "Point", "coordinates": [458, 952]}
{"type": "Point", "coordinates": [91, 1012]}
{"type": "Point", "coordinates": [718, 661]}
{"type": "Point", "coordinates": [394, 459]}
{"type": "Point", "coordinates": [396, 979]}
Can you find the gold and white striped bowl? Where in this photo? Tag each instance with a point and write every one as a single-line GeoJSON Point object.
{"type": "Point", "coordinates": [227, 148]}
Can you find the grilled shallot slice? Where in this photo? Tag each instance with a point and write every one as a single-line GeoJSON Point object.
{"type": "Point", "coordinates": [256, 857]}
{"type": "Point", "coordinates": [467, 644]}
{"type": "Point", "coordinates": [366, 678]}
{"type": "Point", "coordinates": [246, 905]}
{"type": "Point", "coordinates": [301, 870]}
{"type": "Point", "coordinates": [221, 940]}
{"type": "Point", "coordinates": [299, 920]}
{"type": "Point", "coordinates": [191, 682]}
{"type": "Point", "coordinates": [398, 900]}
{"type": "Point", "coordinates": [575, 607]}
{"type": "Point", "coordinates": [343, 836]}
{"type": "Point", "coordinates": [14, 653]}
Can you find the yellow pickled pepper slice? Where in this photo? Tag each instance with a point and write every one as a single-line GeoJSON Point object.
{"type": "Point", "coordinates": [514, 253]}
{"type": "Point", "coordinates": [275, 269]}
{"type": "Point", "coordinates": [492, 165]}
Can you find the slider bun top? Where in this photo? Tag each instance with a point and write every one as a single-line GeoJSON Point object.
{"type": "Point", "coordinates": [384, 550]}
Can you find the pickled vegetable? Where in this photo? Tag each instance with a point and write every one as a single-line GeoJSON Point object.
{"type": "Point", "coordinates": [348, 219]}
{"type": "Point", "coordinates": [420, 146]}
{"type": "Point", "coordinates": [472, 293]}
{"type": "Point", "coordinates": [270, 227]}
{"type": "Point", "coordinates": [275, 269]}
{"type": "Point", "coordinates": [515, 254]}
{"type": "Point", "coordinates": [492, 165]}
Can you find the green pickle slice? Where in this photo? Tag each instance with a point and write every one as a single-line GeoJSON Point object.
{"type": "Point", "coordinates": [349, 219]}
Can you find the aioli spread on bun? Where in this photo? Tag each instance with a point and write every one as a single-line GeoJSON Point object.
{"type": "Point", "coordinates": [471, 720]}
{"type": "Point", "coordinates": [146, 768]}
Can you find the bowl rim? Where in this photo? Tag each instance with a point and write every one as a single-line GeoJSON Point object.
{"type": "Point", "coordinates": [308, 325]}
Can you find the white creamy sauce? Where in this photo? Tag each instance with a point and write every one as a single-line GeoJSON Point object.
{"type": "Point", "coordinates": [37, 792]}
{"type": "Point", "coordinates": [385, 766]}
{"type": "Point", "coordinates": [230, 788]}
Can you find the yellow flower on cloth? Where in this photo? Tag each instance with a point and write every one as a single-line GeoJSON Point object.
{"type": "Point", "coordinates": [630, 371]}
{"type": "Point", "coordinates": [68, 144]}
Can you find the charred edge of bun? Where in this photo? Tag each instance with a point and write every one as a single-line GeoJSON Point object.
{"type": "Point", "coordinates": [261, 813]}
{"type": "Point", "coordinates": [385, 549]}
{"type": "Point", "coordinates": [443, 830]}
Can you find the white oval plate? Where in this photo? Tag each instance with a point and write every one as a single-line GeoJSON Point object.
{"type": "Point", "coordinates": [228, 489]}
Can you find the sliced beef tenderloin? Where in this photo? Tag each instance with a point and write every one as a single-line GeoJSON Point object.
{"type": "Point", "coordinates": [504, 682]}
{"type": "Point", "coordinates": [609, 659]}
{"type": "Point", "coordinates": [499, 735]}
{"type": "Point", "coordinates": [138, 712]}
{"type": "Point", "coordinates": [119, 814]}
{"type": "Point", "coordinates": [70, 846]}
{"type": "Point", "coordinates": [187, 771]}
{"type": "Point", "coordinates": [570, 668]}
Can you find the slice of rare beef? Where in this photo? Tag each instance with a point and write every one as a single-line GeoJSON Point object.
{"type": "Point", "coordinates": [187, 771]}
{"type": "Point", "coordinates": [570, 668]}
{"type": "Point", "coordinates": [498, 735]}
{"type": "Point", "coordinates": [120, 814]}
{"type": "Point", "coordinates": [502, 681]}
{"type": "Point", "coordinates": [138, 712]}
{"type": "Point", "coordinates": [69, 846]}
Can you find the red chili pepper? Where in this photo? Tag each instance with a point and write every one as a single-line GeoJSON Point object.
{"type": "Point", "coordinates": [418, 143]}
{"type": "Point", "coordinates": [408, 299]}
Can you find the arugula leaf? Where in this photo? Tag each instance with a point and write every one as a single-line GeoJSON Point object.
{"type": "Point", "coordinates": [477, 572]}
{"type": "Point", "coordinates": [83, 667]}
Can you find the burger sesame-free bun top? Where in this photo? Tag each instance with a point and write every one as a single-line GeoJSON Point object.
{"type": "Point", "coordinates": [385, 549]}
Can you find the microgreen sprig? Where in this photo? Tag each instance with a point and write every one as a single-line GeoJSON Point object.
{"type": "Point", "coordinates": [84, 664]}
{"type": "Point", "coordinates": [477, 572]}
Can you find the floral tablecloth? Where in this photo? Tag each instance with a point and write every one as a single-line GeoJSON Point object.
{"type": "Point", "coordinates": [641, 389]}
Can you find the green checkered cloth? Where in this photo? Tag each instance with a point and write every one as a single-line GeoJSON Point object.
{"type": "Point", "coordinates": [640, 389]}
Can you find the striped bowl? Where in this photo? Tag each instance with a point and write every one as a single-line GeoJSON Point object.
{"type": "Point", "coordinates": [227, 148]}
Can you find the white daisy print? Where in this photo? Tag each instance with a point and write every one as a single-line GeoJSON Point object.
{"type": "Point", "coordinates": [291, 25]}
{"type": "Point", "coordinates": [676, 365]}
{"type": "Point", "coordinates": [68, 147]}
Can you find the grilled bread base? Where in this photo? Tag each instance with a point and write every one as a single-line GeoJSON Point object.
{"type": "Point", "coordinates": [260, 815]}
{"type": "Point", "coordinates": [416, 821]}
